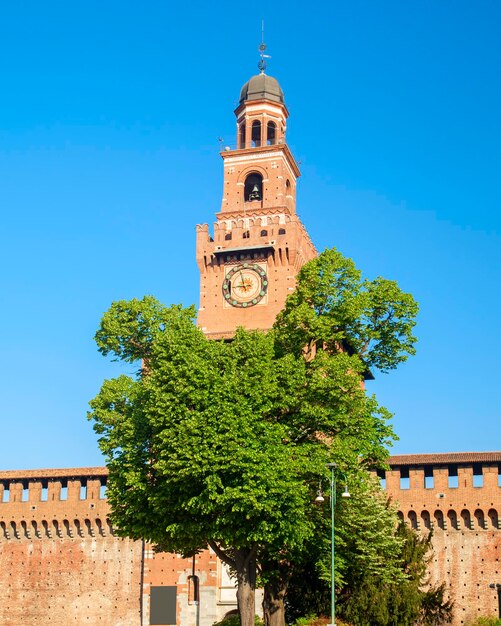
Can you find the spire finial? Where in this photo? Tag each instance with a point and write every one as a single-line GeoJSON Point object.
{"type": "Point", "coordinates": [262, 47]}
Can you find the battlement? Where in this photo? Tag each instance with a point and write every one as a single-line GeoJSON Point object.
{"type": "Point", "coordinates": [456, 491]}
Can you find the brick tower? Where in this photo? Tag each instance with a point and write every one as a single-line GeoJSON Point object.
{"type": "Point", "coordinates": [249, 267]}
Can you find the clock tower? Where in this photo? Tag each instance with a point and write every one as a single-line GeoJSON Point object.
{"type": "Point", "coordinates": [249, 266]}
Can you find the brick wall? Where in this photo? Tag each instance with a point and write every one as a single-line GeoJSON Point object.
{"type": "Point", "coordinates": [61, 564]}
{"type": "Point", "coordinates": [458, 496]}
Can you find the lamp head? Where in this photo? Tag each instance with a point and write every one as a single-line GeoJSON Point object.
{"type": "Point", "coordinates": [319, 499]}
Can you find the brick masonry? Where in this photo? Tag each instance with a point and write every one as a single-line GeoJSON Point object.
{"type": "Point", "coordinates": [458, 496]}
{"type": "Point", "coordinates": [61, 564]}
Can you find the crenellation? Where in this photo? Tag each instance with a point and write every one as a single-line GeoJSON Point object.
{"type": "Point", "coordinates": [440, 479]}
{"type": "Point", "coordinates": [35, 490]}
{"type": "Point", "coordinates": [464, 519]}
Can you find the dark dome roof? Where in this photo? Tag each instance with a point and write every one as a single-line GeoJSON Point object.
{"type": "Point", "coordinates": [261, 87]}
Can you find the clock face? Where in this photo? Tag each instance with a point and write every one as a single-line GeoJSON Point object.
{"type": "Point", "coordinates": [245, 285]}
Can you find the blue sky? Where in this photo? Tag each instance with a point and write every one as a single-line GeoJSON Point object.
{"type": "Point", "coordinates": [109, 119]}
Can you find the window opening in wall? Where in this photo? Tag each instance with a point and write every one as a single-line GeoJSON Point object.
{"type": "Point", "coordinates": [45, 492]}
{"type": "Point", "coordinates": [281, 231]}
{"type": "Point", "coordinates": [242, 136]}
{"type": "Point", "coordinates": [253, 189]}
{"type": "Point", "coordinates": [264, 233]}
{"type": "Point", "coordinates": [83, 490]}
{"type": "Point", "coordinates": [453, 480]}
{"type": "Point", "coordinates": [246, 234]}
{"type": "Point", "coordinates": [63, 494]}
{"type": "Point", "coordinates": [381, 474]}
{"type": "Point", "coordinates": [102, 491]}
{"type": "Point", "coordinates": [429, 482]}
{"type": "Point", "coordinates": [227, 237]}
{"type": "Point", "coordinates": [271, 134]}
{"type": "Point", "coordinates": [256, 134]}
{"type": "Point", "coordinates": [6, 493]}
{"type": "Point", "coordinates": [499, 475]}
{"type": "Point", "coordinates": [26, 493]}
{"type": "Point", "coordinates": [478, 477]}
{"type": "Point", "coordinates": [404, 478]}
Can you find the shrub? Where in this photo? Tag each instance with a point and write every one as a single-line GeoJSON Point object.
{"type": "Point", "coordinates": [486, 621]}
{"type": "Point", "coordinates": [233, 619]}
{"type": "Point", "coordinates": [315, 620]}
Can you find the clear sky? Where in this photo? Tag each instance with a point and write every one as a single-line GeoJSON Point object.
{"type": "Point", "coordinates": [110, 114]}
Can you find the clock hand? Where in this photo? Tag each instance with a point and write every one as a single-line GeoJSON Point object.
{"type": "Point", "coordinates": [242, 283]}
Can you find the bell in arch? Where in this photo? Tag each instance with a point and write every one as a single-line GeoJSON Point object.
{"type": "Point", "coordinates": [255, 194]}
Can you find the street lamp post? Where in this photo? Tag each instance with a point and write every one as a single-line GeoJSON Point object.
{"type": "Point", "coordinates": [345, 494]}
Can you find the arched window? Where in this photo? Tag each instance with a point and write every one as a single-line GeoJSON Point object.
{"type": "Point", "coordinates": [271, 134]}
{"type": "Point", "coordinates": [256, 134]}
{"type": "Point", "coordinates": [241, 139]}
{"type": "Point", "coordinates": [246, 234]}
{"type": "Point", "coordinates": [227, 237]}
{"type": "Point", "coordinates": [281, 231]}
{"type": "Point", "coordinates": [264, 233]}
{"type": "Point", "coordinates": [253, 189]}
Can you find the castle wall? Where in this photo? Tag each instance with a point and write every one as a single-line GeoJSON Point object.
{"type": "Point", "coordinates": [59, 560]}
{"type": "Point", "coordinates": [61, 564]}
{"type": "Point", "coordinates": [458, 496]}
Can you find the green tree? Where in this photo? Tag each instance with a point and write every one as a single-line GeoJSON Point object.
{"type": "Point", "coordinates": [223, 444]}
{"type": "Point", "coordinates": [397, 592]}
{"type": "Point", "coordinates": [334, 308]}
{"type": "Point", "coordinates": [367, 548]}
{"type": "Point", "coordinates": [381, 568]}
{"type": "Point", "coordinates": [218, 444]}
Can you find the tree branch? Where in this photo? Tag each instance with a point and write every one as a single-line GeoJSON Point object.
{"type": "Point", "coordinates": [223, 555]}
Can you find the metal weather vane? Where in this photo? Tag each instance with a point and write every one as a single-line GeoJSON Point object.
{"type": "Point", "coordinates": [262, 47]}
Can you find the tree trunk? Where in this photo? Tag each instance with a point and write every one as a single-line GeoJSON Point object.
{"type": "Point", "coordinates": [245, 562]}
{"type": "Point", "coordinates": [273, 603]}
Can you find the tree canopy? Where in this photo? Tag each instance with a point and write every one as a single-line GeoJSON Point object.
{"type": "Point", "coordinates": [223, 443]}
{"type": "Point", "coordinates": [335, 308]}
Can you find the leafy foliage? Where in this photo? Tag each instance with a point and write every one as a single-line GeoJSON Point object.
{"type": "Point", "coordinates": [223, 444]}
{"type": "Point", "coordinates": [373, 600]}
{"type": "Point", "coordinates": [380, 568]}
{"type": "Point", "coordinates": [233, 619]}
{"type": "Point", "coordinates": [129, 328]}
{"type": "Point", "coordinates": [225, 437]}
{"type": "Point", "coordinates": [335, 309]}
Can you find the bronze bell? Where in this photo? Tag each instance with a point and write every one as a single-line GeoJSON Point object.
{"type": "Point", "coordinates": [254, 194]}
